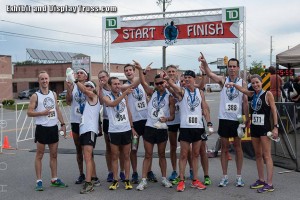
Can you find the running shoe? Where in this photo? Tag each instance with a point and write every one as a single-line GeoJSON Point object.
{"type": "Point", "coordinates": [176, 180]}
{"type": "Point", "coordinates": [96, 181]}
{"type": "Point", "coordinates": [173, 176]}
{"type": "Point", "coordinates": [87, 188]}
{"type": "Point", "coordinates": [80, 179]}
{"type": "Point", "coordinates": [166, 183]}
{"type": "Point", "coordinates": [266, 188]}
{"type": "Point", "coordinates": [239, 182]}
{"type": "Point", "coordinates": [191, 175]}
{"type": "Point", "coordinates": [258, 184]}
{"type": "Point", "coordinates": [39, 186]}
{"type": "Point", "coordinates": [180, 186]}
{"type": "Point", "coordinates": [128, 185]}
{"type": "Point", "coordinates": [143, 184]}
{"type": "Point", "coordinates": [110, 177]}
{"type": "Point", "coordinates": [122, 176]}
{"type": "Point", "coordinates": [58, 183]}
{"type": "Point", "coordinates": [197, 184]}
{"type": "Point", "coordinates": [223, 182]}
{"type": "Point", "coordinates": [207, 180]}
{"type": "Point", "coordinates": [151, 177]}
{"type": "Point", "coordinates": [114, 185]}
{"type": "Point", "coordinates": [135, 178]}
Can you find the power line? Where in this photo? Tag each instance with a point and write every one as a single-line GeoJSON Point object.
{"type": "Point", "coordinates": [48, 29]}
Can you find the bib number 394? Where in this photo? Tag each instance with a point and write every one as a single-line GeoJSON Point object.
{"type": "Point", "coordinates": [258, 119]}
{"type": "Point", "coordinates": [231, 107]}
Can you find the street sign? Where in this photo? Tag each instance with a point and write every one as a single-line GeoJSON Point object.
{"type": "Point", "coordinates": [220, 63]}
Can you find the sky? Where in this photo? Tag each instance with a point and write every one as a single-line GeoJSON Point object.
{"type": "Point", "coordinates": [276, 18]}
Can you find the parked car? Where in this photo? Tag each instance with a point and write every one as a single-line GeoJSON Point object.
{"type": "Point", "coordinates": [27, 93]}
{"type": "Point", "coordinates": [63, 94]}
{"type": "Point", "coordinates": [213, 87]}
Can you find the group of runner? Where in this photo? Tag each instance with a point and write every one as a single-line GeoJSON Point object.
{"type": "Point", "coordinates": [134, 110]}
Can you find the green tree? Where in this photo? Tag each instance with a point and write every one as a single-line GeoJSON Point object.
{"type": "Point", "coordinates": [256, 68]}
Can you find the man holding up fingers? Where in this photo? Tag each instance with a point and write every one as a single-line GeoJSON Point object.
{"type": "Point", "coordinates": [232, 102]}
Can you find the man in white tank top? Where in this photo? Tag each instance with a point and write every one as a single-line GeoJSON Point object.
{"type": "Point", "coordinates": [120, 129]}
{"type": "Point", "coordinates": [137, 102]}
{"type": "Point", "coordinates": [191, 126]}
{"type": "Point", "coordinates": [104, 90]}
{"type": "Point", "coordinates": [43, 106]}
{"type": "Point", "coordinates": [76, 99]}
{"type": "Point", "coordinates": [232, 102]}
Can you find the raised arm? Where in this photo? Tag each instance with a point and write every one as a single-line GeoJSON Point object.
{"type": "Point", "coordinates": [210, 74]}
{"type": "Point", "coordinates": [69, 96]}
{"type": "Point", "coordinates": [134, 84]}
{"type": "Point", "coordinates": [243, 89]}
{"type": "Point", "coordinates": [114, 103]}
{"type": "Point", "coordinates": [174, 89]}
{"type": "Point", "coordinates": [145, 85]}
{"type": "Point", "coordinates": [82, 88]}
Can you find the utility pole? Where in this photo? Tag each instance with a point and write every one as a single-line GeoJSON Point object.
{"type": "Point", "coordinates": [163, 2]}
{"type": "Point", "coordinates": [271, 50]}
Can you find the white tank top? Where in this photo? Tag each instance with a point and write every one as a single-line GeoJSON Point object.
{"type": "Point", "coordinates": [118, 116]}
{"type": "Point", "coordinates": [231, 101]}
{"type": "Point", "coordinates": [138, 104]}
{"type": "Point", "coordinates": [90, 118]}
{"type": "Point", "coordinates": [46, 101]}
{"type": "Point", "coordinates": [155, 106]}
{"type": "Point", "coordinates": [77, 106]}
{"type": "Point", "coordinates": [191, 111]}
{"type": "Point", "coordinates": [105, 93]}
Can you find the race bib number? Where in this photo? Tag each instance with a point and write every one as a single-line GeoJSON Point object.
{"type": "Point", "coordinates": [258, 119]}
{"type": "Point", "coordinates": [51, 114]}
{"type": "Point", "coordinates": [141, 105]}
{"type": "Point", "coordinates": [192, 120]}
{"type": "Point", "coordinates": [120, 119]}
{"type": "Point", "coordinates": [81, 121]}
{"type": "Point", "coordinates": [231, 107]}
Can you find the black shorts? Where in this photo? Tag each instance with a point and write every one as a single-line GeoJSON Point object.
{"type": "Point", "coordinates": [46, 135]}
{"type": "Point", "coordinates": [258, 131]}
{"type": "Point", "coordinates": [228, 128]}
{"type": "Point", "coordinates": [139, 127]}
{"type": "Point", "coordinates": [155, 136]}
{"type": "Point", "coordinates": [88, 138]}
{"type": "Point", "coordinates": [190, 135]}
{"type": "Point", "coordinates": [120, 138]}
{"type": "Point", "coordinates": [75, 128]}
{"type": "Point", "coordinates": [105, 125]}
{"type": "Point", "coordinates": [173, 128]}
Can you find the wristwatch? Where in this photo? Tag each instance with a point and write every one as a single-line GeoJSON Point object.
{"type": "Point", "coordinates": [276, 125]}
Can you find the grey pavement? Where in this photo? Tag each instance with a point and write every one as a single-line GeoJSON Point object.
{"type": "Point", "coordinates": [17, 176]}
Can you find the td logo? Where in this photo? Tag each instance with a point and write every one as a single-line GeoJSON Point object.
{"type": "Point", "coordinates": [233, 14]}
{"type": "Point", "coordinates": [111, 23]}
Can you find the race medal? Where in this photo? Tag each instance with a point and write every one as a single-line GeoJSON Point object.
{"type": "Point", "coordinates": [154, 113]}
{"type": "Point", "coordinates": [81, 121]}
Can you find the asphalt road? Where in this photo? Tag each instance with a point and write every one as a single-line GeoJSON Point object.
{"type": "Point", "coordinates": [17, 175]}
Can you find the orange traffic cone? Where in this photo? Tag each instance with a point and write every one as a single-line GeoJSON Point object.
{"type": "Point", "coordinates": [71, 134]}
{"type": "Point", "coordinates": [6, 144]}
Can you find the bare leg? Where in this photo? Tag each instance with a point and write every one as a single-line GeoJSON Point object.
{"type": "Point", "coordinates": [115, 153]}
{"type": "Point", "coordinates": [148, 158]}
{"type": "Point", "coordinates": [173, 148]}
{"type": "Point", "coordinates": [108, 153]}
{"type": "Point", "coordinates": [162, 158]}
{"type": "Point", "coordinates": [79, 155]}
{"type": "Point", "coordinates": [184, 149]}
{"type": "Point", "coordinates": [53, 159]}
{"type": "Point", "coordinates": [195, 157]}
{"type": "Point", "coordinates": [224, 151]}
{"type": "Point", "coordinates": [258, 157]}
{"type": "Point", "coordinates": [125, 149]}
{"type": "Point", "coordinates": [40, 149]}
{"type": "Point", "coordinates": [239, 154]}
{"type": "Point", "coordinates": [266, 148]}
{"type": "Point", "coordinates": [88, 151]}
{"type": "Point", "coordinates": [204, 158]}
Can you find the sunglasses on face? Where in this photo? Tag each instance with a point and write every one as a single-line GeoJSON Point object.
{"type": "Point", "coordinates": [159, 83]}
{"type": "Point", "coordinates": [89, 86]}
